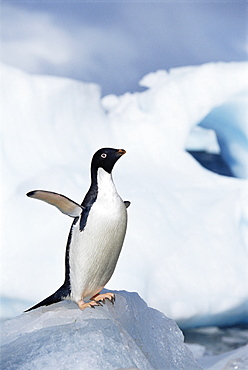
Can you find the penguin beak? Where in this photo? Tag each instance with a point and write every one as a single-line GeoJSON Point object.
{"type": "Point", "coordinates": [121, 151]}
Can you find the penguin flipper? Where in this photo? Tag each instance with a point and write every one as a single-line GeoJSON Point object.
{"type": "Point", "coordinates": [127, 203]}
{"type": "Point", "coordinates": [64, 204]}
{"type": "Point", "coordinates": [56, 297]}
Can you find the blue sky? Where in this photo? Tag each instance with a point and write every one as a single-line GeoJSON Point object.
{"type": "Point", "coordinates": [116, 43]}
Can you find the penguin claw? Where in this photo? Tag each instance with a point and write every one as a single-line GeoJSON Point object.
{"type": "Point", "coordinates": [102, 298]}
{"type": "Point", "coordinates": [82, 305]}
{"type": "Point", "coordinates": [99, 303]}
{"type": "Point", "coordinates": [112, 299]}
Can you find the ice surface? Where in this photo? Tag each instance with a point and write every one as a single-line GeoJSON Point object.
{"type": "Point", "coordinates": [214, 348]}
{"type": "Point", "coordinates": [126, 335]}
{"type": "Point", "coordinates": [233, 360]}
{"type": "Point", "coordinates": [186, 249]}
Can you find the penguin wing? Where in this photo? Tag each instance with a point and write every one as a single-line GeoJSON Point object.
{"type": "Point", "coordinates": [64, 204]}
{"type": "Point", "coordinates": [127, 203]}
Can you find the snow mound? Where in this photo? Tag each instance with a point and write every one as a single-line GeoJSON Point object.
{"type": "Point", "coordinates": [127, 334]}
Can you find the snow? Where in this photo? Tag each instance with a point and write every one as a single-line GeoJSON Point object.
{"type": "Point", "coordinates": [126, 335]}
{"type": "Point", "coordinates": [186, 249]}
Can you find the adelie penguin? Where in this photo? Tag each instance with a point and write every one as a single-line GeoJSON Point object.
{"type": "Point", "coordinates": [96, 235]}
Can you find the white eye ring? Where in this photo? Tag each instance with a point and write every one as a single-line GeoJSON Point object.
{"type": "Point", "coordinates": [103, 155]}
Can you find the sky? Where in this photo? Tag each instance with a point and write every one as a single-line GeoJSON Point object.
{"type": "Point", "coordinates": [115, 43]}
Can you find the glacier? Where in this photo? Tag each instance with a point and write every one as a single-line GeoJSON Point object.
{"type": "Point", "coordinates": [186, 249]}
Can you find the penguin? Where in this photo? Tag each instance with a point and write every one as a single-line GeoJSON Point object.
{"type": "Point", "coordinates": [96, 235]}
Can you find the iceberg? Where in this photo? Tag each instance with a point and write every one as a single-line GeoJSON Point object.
{"type": "Point", "coordinates": [186, 249]}
{"type": "Point", "coordinates": [126, 335]}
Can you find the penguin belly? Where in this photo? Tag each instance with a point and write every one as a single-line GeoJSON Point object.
{"type": "Point", "coordinates": [94, 251]}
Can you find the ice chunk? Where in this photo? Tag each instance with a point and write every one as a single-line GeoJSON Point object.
{"type": "Point", "coordinates": [127, 334]}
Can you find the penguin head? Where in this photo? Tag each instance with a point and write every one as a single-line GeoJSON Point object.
{"type": "Point", "coordinates": [106, 158]}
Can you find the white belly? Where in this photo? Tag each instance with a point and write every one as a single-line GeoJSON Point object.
{"type": "Point", "coordinates": [95, 250]}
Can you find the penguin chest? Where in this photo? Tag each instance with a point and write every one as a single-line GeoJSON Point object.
{"type": "Point", "coordinates": [95, 250]}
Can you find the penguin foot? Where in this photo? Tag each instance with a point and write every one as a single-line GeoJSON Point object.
{"type": "Point", "coordinates": [82, 305]}
{"type": "Point", "coordinates": [98, 298]}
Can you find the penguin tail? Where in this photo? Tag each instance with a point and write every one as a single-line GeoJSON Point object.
{"type": "Point", "coordinates": [56, 297]}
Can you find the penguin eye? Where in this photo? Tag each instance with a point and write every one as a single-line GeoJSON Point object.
{"type": "Point", "coordinates": [103, 155]}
